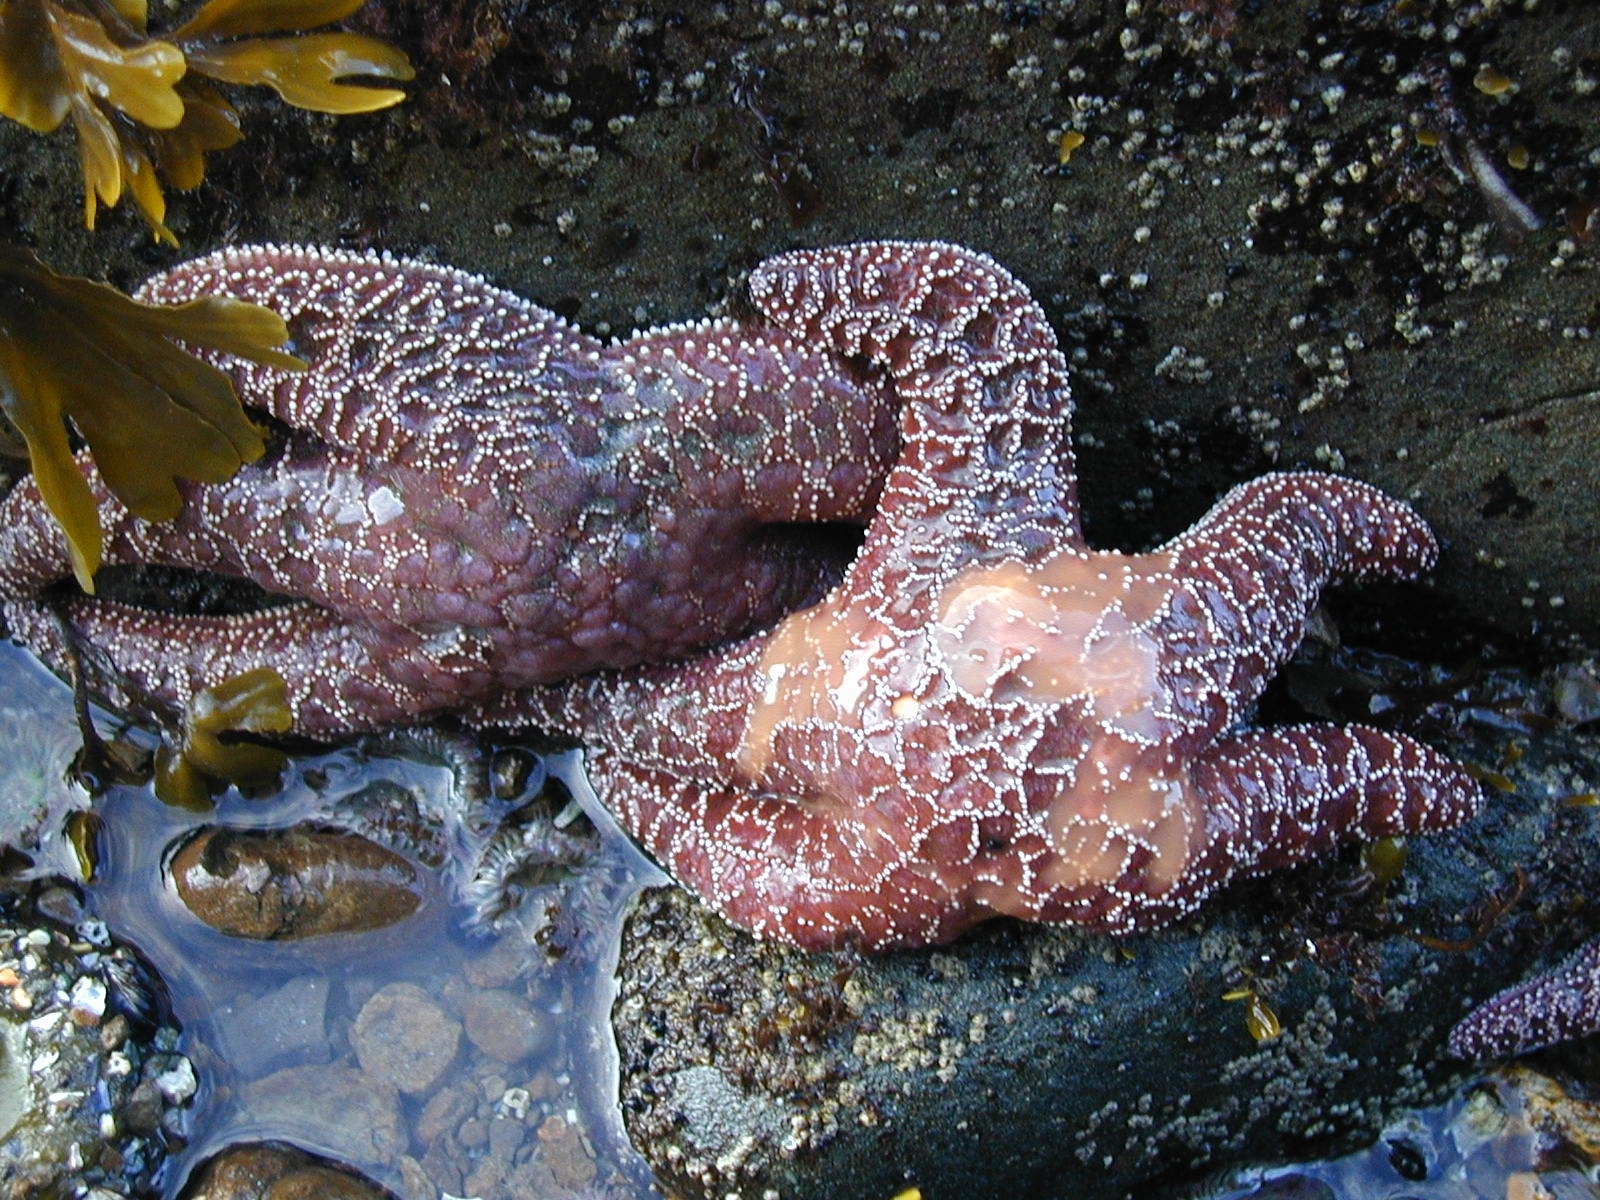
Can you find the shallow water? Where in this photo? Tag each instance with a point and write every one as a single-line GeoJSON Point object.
{"type": "Point", "coordinates": [269, 1024]}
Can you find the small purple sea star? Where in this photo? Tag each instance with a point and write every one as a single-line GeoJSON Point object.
{"type": "Point", "coordinates": [474, 496]}
{"type": "Point", "coordinates": [986, 717]}
{"type": "Point", "coordinates": [1560, 1005]}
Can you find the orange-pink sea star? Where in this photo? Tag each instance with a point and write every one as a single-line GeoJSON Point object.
{"type": "Point", "coordinates": [986, 717]}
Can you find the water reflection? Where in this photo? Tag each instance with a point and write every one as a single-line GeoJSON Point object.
{"type": "Point", "coordinates": [465, 1049]}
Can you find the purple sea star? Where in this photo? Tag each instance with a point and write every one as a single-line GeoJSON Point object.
{"type": "Point", "coordinates": [472, 495]}
{"type": "Point", "coordinates": [986, 717]}
{"type": "Point", "coordinates": [1560, 1005]}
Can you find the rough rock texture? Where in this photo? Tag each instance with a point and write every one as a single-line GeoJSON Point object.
{"type": "Point", "coordinates": [1021, 1057]}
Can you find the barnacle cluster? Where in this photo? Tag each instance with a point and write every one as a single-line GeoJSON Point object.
{"type": "Point", "coordinates": [149, 412]}
{"type": "Point", "coordinates": [145, 105]}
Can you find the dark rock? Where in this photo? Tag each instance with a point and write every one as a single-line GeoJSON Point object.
{"type": "Point", "coordinates": [271, 1171]}
{"type": "Point", "coordinates": [292, 883]}
{"type": "Point", "coordinates": [1021, 1056]}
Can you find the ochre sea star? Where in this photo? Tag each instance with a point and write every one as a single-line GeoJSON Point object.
{"type": "Point", "coordinates": [1560, 1005]}
{"type": "Point", "coordinates": [986, 717]}
{"type": "Point", "coordinates": [472, 496]}
{"type": "Point", "coordinates": [983, 717]}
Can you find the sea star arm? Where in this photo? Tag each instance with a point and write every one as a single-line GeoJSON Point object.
{"type": "Point", "coordinates": [1560, 1005]}
{"type": "Point", "coordinates": [1248, 575]}
{"type": "Point", "coordinates": [1278, 797]}
{"type": "Point", "coordinates": [163, 660]}
{"type": "Point", "coordinates": [784, 869]}
{"type": "Point", "coordinates": [383, 340]}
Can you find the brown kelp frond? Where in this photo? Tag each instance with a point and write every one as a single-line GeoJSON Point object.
{"type": "Point", "coordinates": [255, 702]}
{"type": "Point", "coordinates": [252, 18]}
{"type": "Point", "coordinates": [149, 412]}
{"type": "Point", "coordinates": [137, 102]}
{"type": "Point", "coordinates": [306, 70]}
{"type": "Point", "coordinates": [95, 66]}
{"type": "Point", "coordinates": [225, 41]}
{"type": "Point", "coordinates": [209, 123]}
{"type": "Point", "coordinates": [51, 53]}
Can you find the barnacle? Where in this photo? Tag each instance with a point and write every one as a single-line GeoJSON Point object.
{"type": "Point", "coordinates": [138, 103]}
{"type": "Point", "coordinates": [212, 752]}
{"type": "Point", "coordinates": [148, 411]}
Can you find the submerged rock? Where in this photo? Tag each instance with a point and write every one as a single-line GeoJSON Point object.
{"type": "Point", "coordinates": [270, 1171]}
{"type": "Point", "coordinates": [292, 883]}
{"type": "Point", "coordinates": [404, 1039]}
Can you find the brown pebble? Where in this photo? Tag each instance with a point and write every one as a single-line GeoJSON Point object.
{"type": "Point", "coordinates": [505, 1027]}
{"type": "Point", "coordinates": [403, 1038]}
{"type": "Point", "coordinates": [272, 1171]}
{"type": "Point", "coordinates": [445, 1110]}
{"type": "Point", "coordinates": [473, 1133]}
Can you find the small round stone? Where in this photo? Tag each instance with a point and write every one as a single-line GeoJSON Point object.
{"type": "Point", "coordinates": [402, 1038]}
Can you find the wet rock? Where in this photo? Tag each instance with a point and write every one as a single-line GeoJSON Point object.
{"type": "Point", "coordinates": [1023, 1055]}
{"type": "Point", "coordinates": [402, 1038]}
{"type": "Point", "coordinates": [504, 1026]}
{"type": "Point", "coordinates": [292, 883]}
{"type": "Point", "coordinates": [93, 1093]}
{"type": "Point", "coordinates": [1517, 1133]}
{"type": "Point", "coordinates": [271, 1171]}
{"type": "Point", "coordinates": [287, 1025]}
{"type": "Point", "coordinates": [341, 1110]}
{"type": "Point", "coordinates": [564, 1152]}
{"type": "Point", "coordinates": [39, 730]}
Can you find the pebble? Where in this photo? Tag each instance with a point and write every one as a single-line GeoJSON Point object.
{"type": "Point", "coordinates": [93, 1094]}
{"type": "Point", "coordinates": [403, 1038]}
{"type": "Point", "coordinates": [273, 1171]}
{"type": "Point", "coordinates": [505, 1027]}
